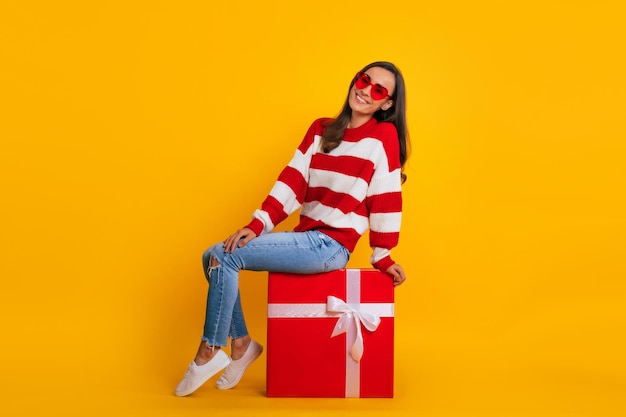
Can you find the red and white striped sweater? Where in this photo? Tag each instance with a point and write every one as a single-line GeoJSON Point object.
{"type": "Point", "coordinates": [343, 192]}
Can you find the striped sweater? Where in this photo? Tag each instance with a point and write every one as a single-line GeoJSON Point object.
{"type": "Point", "coordinates": [343, 192]}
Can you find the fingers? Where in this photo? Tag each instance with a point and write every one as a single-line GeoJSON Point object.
{"type": "Point", "coordinates": [231, 242]}
{"type": "Point", "coordinates": [397, 272]}
{"type": "Point", "coordinates": [398, 281]}
{"type": "Point", "coordinates": [238, 239]}
{"type": "Point", "coordinates": [247, 239]}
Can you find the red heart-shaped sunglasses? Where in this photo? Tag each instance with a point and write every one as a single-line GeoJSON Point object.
{"type": "Point", "coordinates": [378, 92]}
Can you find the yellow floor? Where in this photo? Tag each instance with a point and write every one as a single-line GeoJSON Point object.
{"type": "Point", "coordinates": [431, 381]}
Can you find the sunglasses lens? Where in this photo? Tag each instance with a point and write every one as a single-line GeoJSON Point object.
{"type": "Point", "coordinates": [378, 92]}
{"type": "Point", "coordinates": [362, 80]}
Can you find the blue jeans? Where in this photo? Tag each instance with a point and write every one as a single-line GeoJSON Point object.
{"type": "Point", "coordinates": [294, 252]}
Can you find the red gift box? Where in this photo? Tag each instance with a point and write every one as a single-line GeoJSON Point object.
{"type": "Point", "coordinates": [330, 334]}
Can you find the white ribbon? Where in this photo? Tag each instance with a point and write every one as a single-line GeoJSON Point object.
{"type": "Point", "coordinates": [350, 315]}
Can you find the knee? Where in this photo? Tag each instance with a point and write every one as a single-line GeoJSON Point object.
{"type": "Point", "coordinates": [206, 258]}
{"type": "Point", "coordinates": [209, 260]}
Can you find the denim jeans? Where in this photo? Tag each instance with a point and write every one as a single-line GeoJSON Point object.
{"type": "Point", "coordinates": [293, 252]}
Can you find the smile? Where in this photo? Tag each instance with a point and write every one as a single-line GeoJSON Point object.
{"type": "Point", "coordinates": [359, 99]}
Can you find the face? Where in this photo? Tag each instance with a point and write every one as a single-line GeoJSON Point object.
{"type": "Point", "coordinates": [363, 100]}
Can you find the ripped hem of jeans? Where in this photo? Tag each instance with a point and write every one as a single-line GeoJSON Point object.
{"type": "Point", "coordinates": [210, 344]}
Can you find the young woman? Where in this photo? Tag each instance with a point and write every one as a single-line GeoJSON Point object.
{"type": "Point", "coordinates": [346, 177]}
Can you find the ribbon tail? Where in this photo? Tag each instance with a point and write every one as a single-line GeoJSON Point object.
{"type": "Point", "coordinates": [356, 351]}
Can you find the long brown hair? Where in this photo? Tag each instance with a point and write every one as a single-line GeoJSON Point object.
{"type": "Point", "coordinates": [396, 114]}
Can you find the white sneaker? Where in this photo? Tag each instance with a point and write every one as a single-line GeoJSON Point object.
{"type": "Point", "coordinates": [233, 372]}
{"type": "Point", "coordinates": [198, 375]}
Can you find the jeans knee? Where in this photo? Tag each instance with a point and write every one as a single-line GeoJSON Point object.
{"type": "Point", "coordinates": [209, 261]}
{"type": "Point", "coordinates": [212, 264]}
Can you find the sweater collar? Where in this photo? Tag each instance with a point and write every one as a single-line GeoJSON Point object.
{"type": "Point", "coordinates": [361, 130]}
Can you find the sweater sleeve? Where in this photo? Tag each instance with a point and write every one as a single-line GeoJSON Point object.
{"type": "Point", "coordinates": [287, 194]}
{"type": "Point", "coordinates": [384, 200]}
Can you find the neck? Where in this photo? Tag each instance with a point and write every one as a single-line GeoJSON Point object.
{"type": "Point", "coordinates": [357, 120]}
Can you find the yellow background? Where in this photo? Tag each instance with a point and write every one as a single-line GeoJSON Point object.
{"type": "Point", "coordinates": [135, 134]}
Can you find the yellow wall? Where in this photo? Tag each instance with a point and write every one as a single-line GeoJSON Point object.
{"type": "Point", "coordinates": [135, 134]}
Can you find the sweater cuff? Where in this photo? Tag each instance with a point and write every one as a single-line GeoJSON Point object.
{"type": "Point", "coordinates": [256, 226]}
{"type": "Point", "coordinates": [384, 264]}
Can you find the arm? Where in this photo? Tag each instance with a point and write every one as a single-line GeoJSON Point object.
{"type": "Point", "coordinates": [385, 219]}
{"type": "Point", "coordinates": [384, 201]}
{"type": "Point", "coordinates": [287, 194]}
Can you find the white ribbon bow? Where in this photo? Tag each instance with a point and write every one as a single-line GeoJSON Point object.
{"type": "Point", "coordinates": [350, 315]}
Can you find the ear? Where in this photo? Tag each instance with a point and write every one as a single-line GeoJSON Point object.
{"type": "Point", "coordinates": [387, 105]}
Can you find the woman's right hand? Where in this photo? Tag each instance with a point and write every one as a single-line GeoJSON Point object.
{"type": "Point", "coordinates": [397, 272]}
{"type": "Point", "coordinates": [233, 240]}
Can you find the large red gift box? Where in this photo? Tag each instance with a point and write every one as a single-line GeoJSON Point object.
{"type": "Point", "coordinates": [330, 334]}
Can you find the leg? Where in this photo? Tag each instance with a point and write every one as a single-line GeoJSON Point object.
{"type": "Point", "coordinates": [286, 252]}
{"type": "Point", "coordinates": [239, 338]}
{"type": "Point", "coordinates": [207, 349]}
{"type": "Point", "coordinates": [238, 331]}
{"type": "Point", "coordinates": [304, 253]}
{"type": "Point", "coordinates": [209, 359]}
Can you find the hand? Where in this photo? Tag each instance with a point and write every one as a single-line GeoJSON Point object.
{"type": "Point", "coordinates": [397, 273]}
{"type": "Point", "coordinates": [233, 240]}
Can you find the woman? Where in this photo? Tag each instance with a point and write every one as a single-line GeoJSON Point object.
{"type": "Point", "coordinates": [346, 176]}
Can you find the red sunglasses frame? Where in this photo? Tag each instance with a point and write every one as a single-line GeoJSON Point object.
{"type": "Point", "coordinates": [362, 80]}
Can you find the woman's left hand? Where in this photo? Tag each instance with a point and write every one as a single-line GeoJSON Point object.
{"type": "Point", "coordinates": [397, 273]}
{"type": "Point", "coordinates": [238, 239]}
